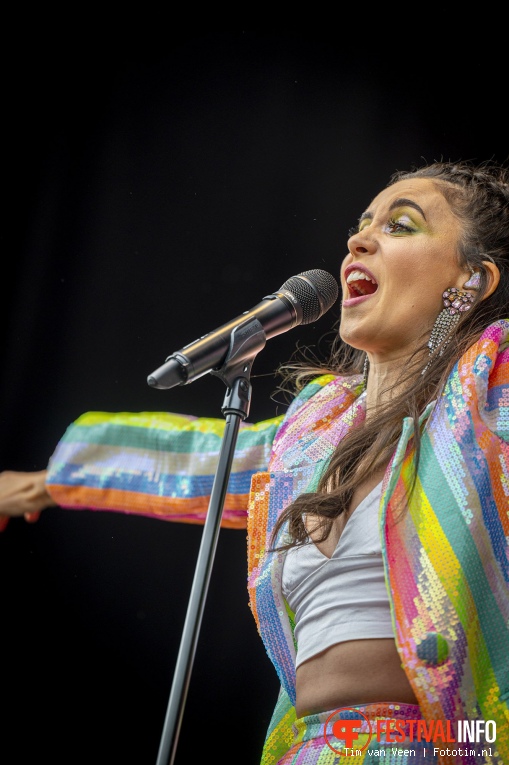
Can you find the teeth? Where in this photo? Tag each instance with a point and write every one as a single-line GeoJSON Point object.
{"type": "Point", "coordinates": [355, 276]}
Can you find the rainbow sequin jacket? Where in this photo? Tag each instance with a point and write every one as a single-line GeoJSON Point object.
{"type": "Point", "coordinates": [446, 559]}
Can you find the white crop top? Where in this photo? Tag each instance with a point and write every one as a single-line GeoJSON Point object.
{"type": "Point", "coordinates": [343, 597]}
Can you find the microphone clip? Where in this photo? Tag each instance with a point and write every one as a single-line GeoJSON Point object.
{"type": "Point", "coordinates": [246, 341]}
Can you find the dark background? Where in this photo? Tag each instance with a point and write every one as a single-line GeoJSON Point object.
{"type": "Point", "coordinates": [153, 192]}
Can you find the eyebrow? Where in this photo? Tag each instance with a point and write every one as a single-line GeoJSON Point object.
{"type": "Point", "coordinates": [401, 202]}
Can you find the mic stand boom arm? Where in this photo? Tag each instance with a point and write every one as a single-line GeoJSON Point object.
{"type": "Point", "coordinates": [247, 340]}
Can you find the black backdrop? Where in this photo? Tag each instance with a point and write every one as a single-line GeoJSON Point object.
{"type": "Point", "coordinates": [153, 193]}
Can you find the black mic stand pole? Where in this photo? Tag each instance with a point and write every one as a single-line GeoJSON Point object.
{"type": "Point", "coordinates": [246, 341]}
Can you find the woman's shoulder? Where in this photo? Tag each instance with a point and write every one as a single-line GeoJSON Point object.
{"type": "Point", "coordinates": [325, 390]}
{"type": "Point", "coordinates": [486, 362]}
{"type": "Point", "coordinates": [310, 388]}
{"type": "Point", "coordinates": [475, 397]}
{"type": "Point", "coordinates": [495, 338]}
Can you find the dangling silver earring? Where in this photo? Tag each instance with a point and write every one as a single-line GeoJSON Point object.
{"type": "Point", "coordinates": [365, 371]}
{"type": "Point", "coordinates": [455, 303]}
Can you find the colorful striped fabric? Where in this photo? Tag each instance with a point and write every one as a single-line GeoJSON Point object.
{"type": "Point", "coordinates": [155, 464]}
{"type": "Point", "coordinates": [445, 546]}
{"type": "Point", "coordinates": [316, 743]}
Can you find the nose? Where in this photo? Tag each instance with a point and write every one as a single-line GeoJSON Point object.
{"type": "Point", "coordinates": [361, 243]}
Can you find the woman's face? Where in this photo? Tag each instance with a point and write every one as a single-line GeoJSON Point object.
{"type": "Point", "coordinates": [404, 256]}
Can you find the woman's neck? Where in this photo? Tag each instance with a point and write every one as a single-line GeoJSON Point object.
{"type": "Point", "coordinates": [387, 380]}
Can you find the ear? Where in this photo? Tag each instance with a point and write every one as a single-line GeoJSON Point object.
{"type": "Point", "coordinates": [493, 277]}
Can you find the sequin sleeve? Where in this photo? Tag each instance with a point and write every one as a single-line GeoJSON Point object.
{"type": "Point", "coordinates": [155, 464]}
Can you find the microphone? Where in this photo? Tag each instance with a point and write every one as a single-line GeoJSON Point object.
{"type": "Point", "coordinates": [302, 299]}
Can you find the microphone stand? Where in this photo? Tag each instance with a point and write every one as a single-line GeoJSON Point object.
{"type": "Point", "coordinates": [246, 341]}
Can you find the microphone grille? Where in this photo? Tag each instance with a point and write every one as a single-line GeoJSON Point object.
{"type": "Point", "coordinates": [316, 291]}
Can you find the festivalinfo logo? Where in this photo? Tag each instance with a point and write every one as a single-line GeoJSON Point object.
{"type": "Point", "coordinates": [349, 732]}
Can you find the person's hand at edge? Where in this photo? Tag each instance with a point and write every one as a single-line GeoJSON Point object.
{"type": "Point", "coordinates": [23, 494]}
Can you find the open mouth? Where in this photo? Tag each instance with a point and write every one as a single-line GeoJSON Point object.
{"type": "Point", "coordinates": [359, 284]}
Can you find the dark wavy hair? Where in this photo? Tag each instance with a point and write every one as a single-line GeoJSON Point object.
{"type": "Point", "coordinates": [478, 195]}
